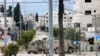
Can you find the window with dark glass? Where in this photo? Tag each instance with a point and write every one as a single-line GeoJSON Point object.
{"type": "Point", "coordinates": [47, 21]}
{"type": "Point", "coordinates": [88, 12]}
{"type": "Point", "coordinates": [87, 0]}
{"type": "Point", "coordinates": [46, 13]}
{"type": "Point", "coordinates": [64, 13]}
{"type": "Point", "coordinates": [89, 25]}
{"type": "Point", "coordinates": [64, 17]}
{"type": "Point", "coordinates": [94, 10]}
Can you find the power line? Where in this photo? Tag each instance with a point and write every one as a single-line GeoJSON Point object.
{"type": "Point", "coordinates": [33, 2]}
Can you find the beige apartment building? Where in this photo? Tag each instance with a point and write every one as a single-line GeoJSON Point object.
{"type": "Point", "coordinates": [84, 11]}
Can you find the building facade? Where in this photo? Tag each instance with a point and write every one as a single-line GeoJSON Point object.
{"type": "Point", "coordinates": [29, 20]}
{"type": "Point", "coordinates": [86, 13]}
{"type": "Point", "coordinates": [67, 19]}
{"type": "Point", "coordinates": [9, 22]}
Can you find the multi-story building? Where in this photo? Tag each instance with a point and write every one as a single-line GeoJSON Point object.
{"type": "Point", "coordinates": [41, 20]}
{"type": "Point", "coordinates": [29, 19]}
{"type": "Point", "coordinates": [67, 18]}
{"type": "Point", "coordinates": [35, 23]}
{"type": "Point", "coordinates": [84, 14]}
{"type": "Point", "coordinates": [9, 20]}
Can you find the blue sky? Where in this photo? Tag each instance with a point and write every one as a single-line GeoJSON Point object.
{"type": "Point", "coordinates": [39, 8]}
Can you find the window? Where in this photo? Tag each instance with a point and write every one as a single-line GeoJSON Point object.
{"type": "Point", "coordinates": [69, 13]}
{"type": "Point", "coordinates": [89, 25]}
{"type": "Point", "coordinates": [44, 20]}
{"type": "Point", "coordinates": [64, 13]}
{"type": "Point", "coordinates": [64, 17]}
{"type": "Point", "coordinates": [76, 24]}
{"type": "Point", "coordinates": [94, 10]}
{"type": "Point", "coordinates": [46, 17]}
{"type": "Point", "coordinates": [7, 25]}
{"type": "Point", "coordinates": [87, 12]}
{"type": "Point", "coordinates": [47, 21]}
{"type": "Point", "coordinates": [87, 0]}
{"type": "Point", "coordinates": [46, 13]}
{"type": "Point", "coordinates": [6, 20]}
{"type": "Point", "coordinates": [64, 20]}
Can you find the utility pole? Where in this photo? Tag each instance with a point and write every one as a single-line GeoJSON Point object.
{"type": "Point", "coordinates": [50, 29]}
{"type": "Point", "coordinates": [61, 33]}
{"type": "Point", "coordinates": [13, 14]}
{"type": "Point", "coordinates": [25, 17]}
{"type": "Point", "coordinates": [20, 25]}
{"type": "Point", "coordinates": [94, 17]}
{"type": "Point", "coordinates": [95, 25]}
{"type": "Point", "coordinates": [14, 30]}
{"type": "Point", "coordinates": [5, 13]}
{"type": "Point", "coordinates": [28, 22]}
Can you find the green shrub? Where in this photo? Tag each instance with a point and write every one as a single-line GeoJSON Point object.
{"type": "Point", "coordinates": [12, 49]}
{"type": "Point", "coordinates": [26, 37]}
{"type": "Point", "coordinates": [21, 41]}
{"type": "Point", "coordinates": [9, 50]}
{"type": "Point", "coordinates": [56, 32]}
{"type": "Point", "coordinates": [4, 50]}
{"type": "Point", "coordinates": [42, 28]}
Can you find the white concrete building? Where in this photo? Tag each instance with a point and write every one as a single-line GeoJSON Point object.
{"type": "Point", "coordinates": [41, 21]}
{"type": "Point", "coordinates": [35, 24]}
{"type": "Point", "coordinates": [67, 18]}
{"type": "Point", "coordinates": [85, 9]}
{"type": "Point", "coordinates": [9, 22]}
{"type": "Point", "coordinates": [31, 18]}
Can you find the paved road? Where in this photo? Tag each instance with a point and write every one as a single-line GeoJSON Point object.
{"type": "Point", "coordinates": [54, 55]}
{"type": "Point", "coordinates": [83, 54]}
{"type": "Point", "coordinates": [40, 35]}
{"type": "Point", "coordinates": [42, 55]}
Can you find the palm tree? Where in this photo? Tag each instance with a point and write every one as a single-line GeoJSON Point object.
{"type": "Point", "coordinates": [61, 34]}
{"type": "Point", "coordinates": [72, 33]}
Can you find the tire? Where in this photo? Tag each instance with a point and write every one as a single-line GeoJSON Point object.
{"type": "Point", "coordinates": [57, 51]}
{"type": "Point", "coordinates": [70, 50]}
{"type": "Point", "coordinates": [29, 52]}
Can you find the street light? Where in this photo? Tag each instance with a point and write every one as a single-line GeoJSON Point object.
{"type": "Point", "coordinates": [50, 29]}
{"type": "Point", "coordinates": [5, 12]}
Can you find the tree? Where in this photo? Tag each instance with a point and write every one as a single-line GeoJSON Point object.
{"type": "Point", "coordinates": [61, 34]}
{"type": "Point", "coordinates": [2, 8]}
{"type": "Point", "coordinates": [72, 33]}
{"type": "Point", "coordinates": [9, 11]}
{"type": "Point", "coordinates": [56, 32]}
{"type": "Point", "coordinates": [42, 28]}
{"type": "Point", "coordinates": [26, 37]}
{"type": "Point", "coordinates": [11, 49]}
{"type": "Point", "coordinates": [17, 15]}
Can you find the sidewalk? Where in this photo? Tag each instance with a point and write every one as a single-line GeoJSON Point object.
{"type": "Point", "coordinates": [89, 54]}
